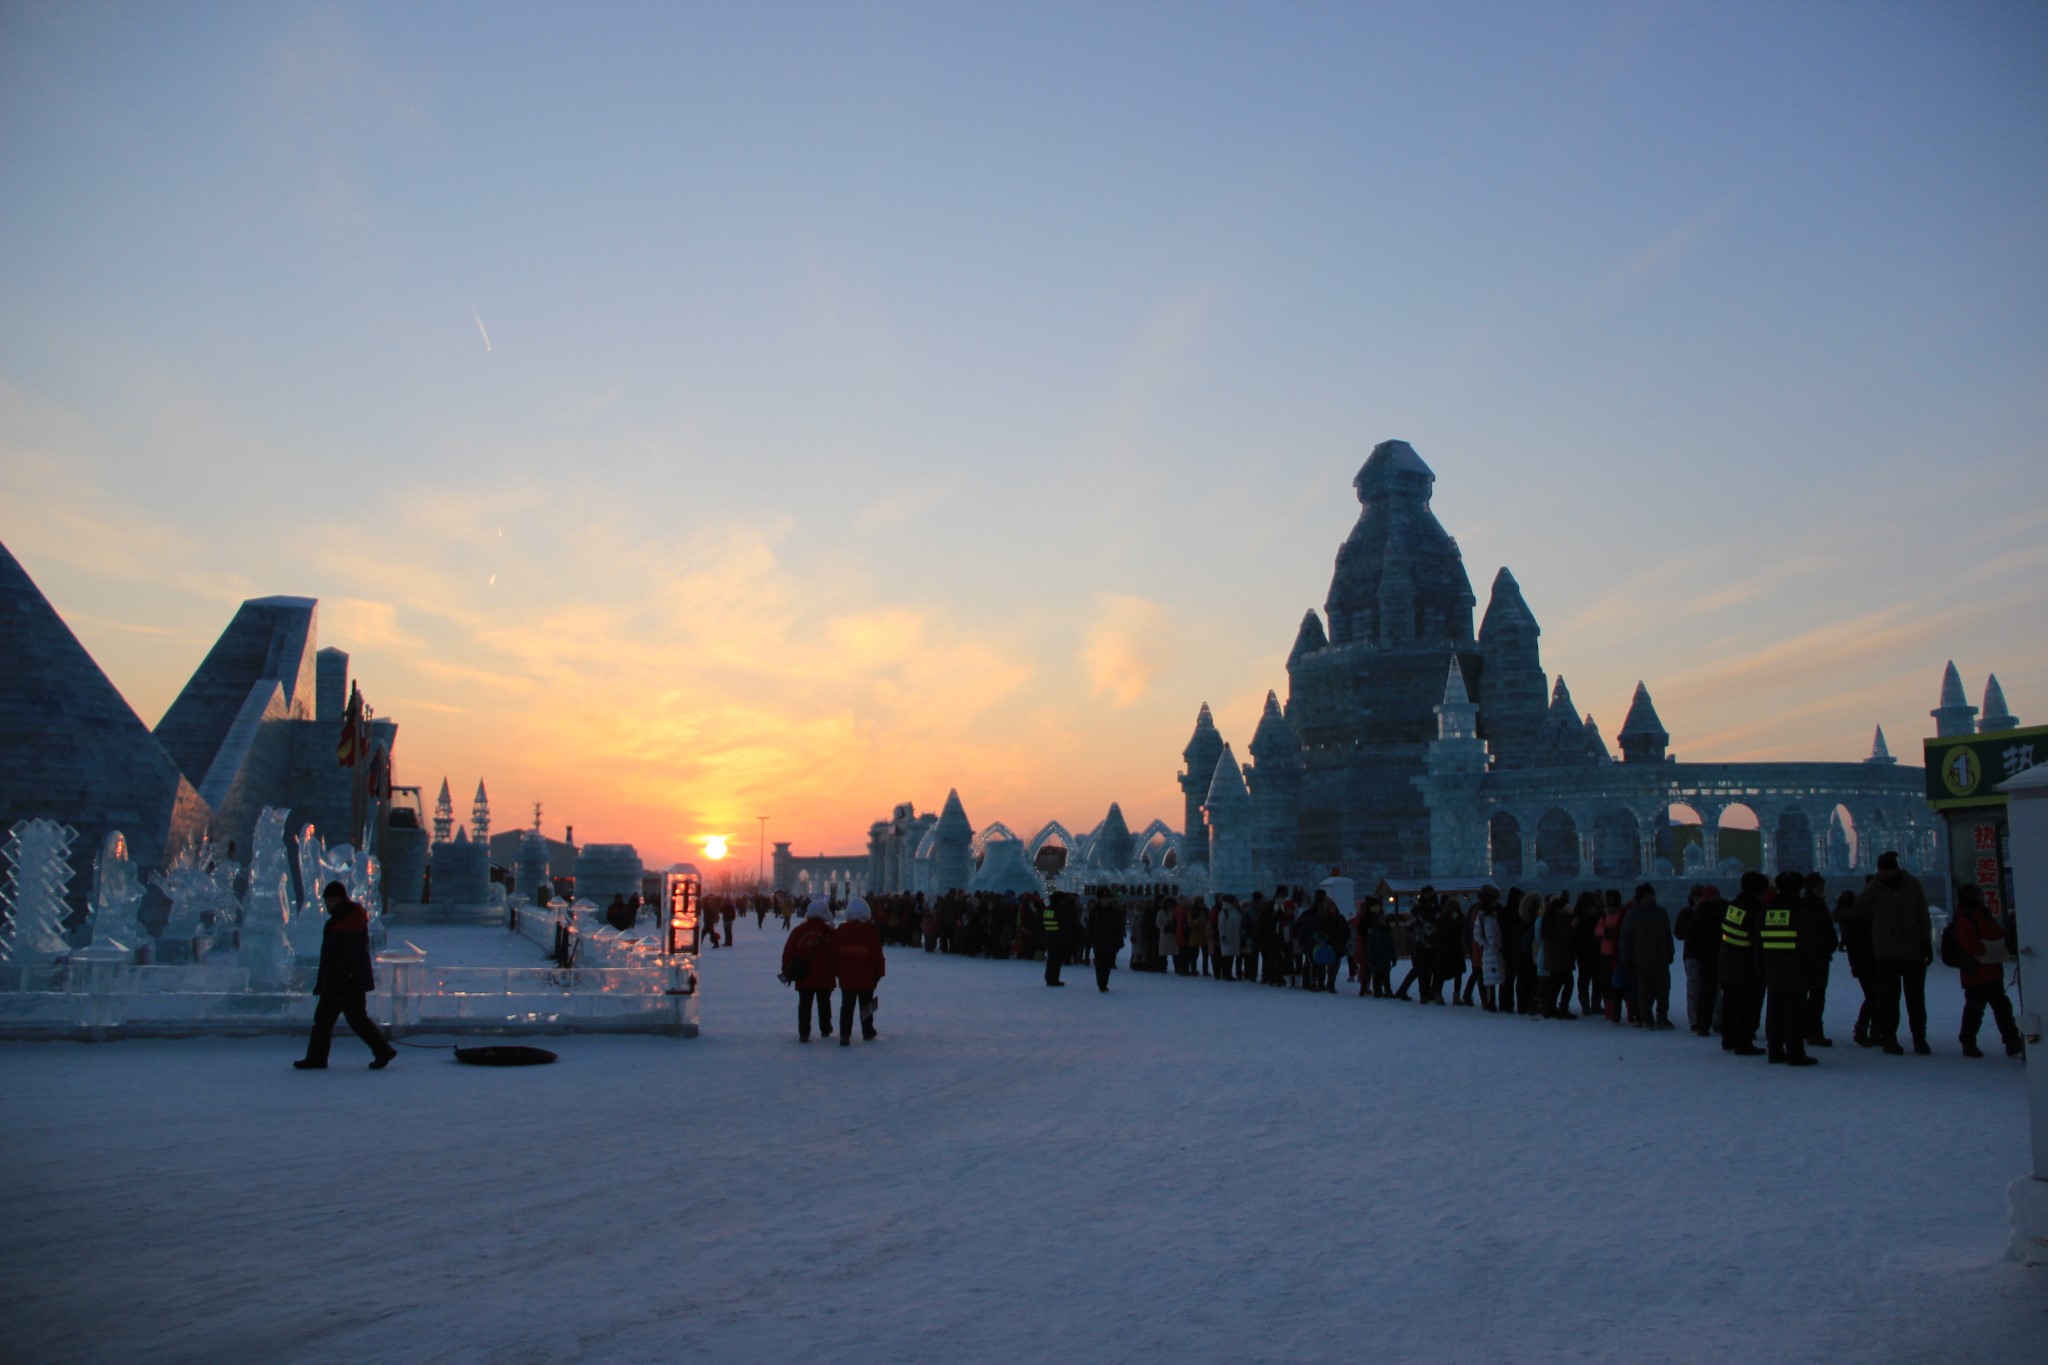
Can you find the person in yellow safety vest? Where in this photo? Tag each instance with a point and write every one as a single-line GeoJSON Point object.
{"type": "Point", "coordinates": [1785, 1024]}
{"type": "Point", "coordinates": [1741, 973]}
{"type": "Point", "coordinates": [1055, 943]}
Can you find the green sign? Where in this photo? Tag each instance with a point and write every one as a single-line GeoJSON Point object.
{"type": "Point", "coordinates": [1966, 770]}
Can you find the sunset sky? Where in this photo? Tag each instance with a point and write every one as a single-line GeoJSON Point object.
{"type": "Point", "coordinates": [689, 413]}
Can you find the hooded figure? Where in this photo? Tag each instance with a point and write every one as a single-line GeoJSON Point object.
{"type": "Point", "coordinates": [857, 949]}
{"type": "Point", "coordinates": [810, 963]}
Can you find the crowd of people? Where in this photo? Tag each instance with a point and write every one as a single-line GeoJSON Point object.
{"type": "Point", "coordinates": [1756, 963]}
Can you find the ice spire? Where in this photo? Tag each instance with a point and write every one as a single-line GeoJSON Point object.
{"type": "Point", "coordinates": [1309, 638]}
{"type": "Point", "coordinates": [1561, 702]}
{"type": "Point", "coordinates": [1505, 609]}
{"type": "Point", "coordinates": [1275, 741]}
{"type": "Point", "coordinates": [1206, 739]}
{"type": "Point", "coordinates": [1643, 737]}
{"type": "Point", "coordinates": [1111, 850]}
{"type": "Point", "coordinates": [1595, 741]}
{"type": "Point", "coordinates": [952, 852]}
{"type": "Point", "coordinates": [1227, 817]}
{"type": "Point", "coordinates": [1880, 752]}
{"type": "Point", "coordinates": [1226, 787]}
{"type": "Point", "coordinates": [1954, 715]}
{"type": "Point", "coordinates": [1200, 754]}
{"type": "Point", "coordinates": [1454, 686]}
{"type": "Point", "coordinates": [444, 815]}
{"type": "Point", "coordinates": [1456, 716]}
{"type": "Point", "coordinates": [480, 816]}
{"type": "Point", "coordinates": [1995, 716]}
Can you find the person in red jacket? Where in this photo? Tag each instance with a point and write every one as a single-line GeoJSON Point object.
{"type": "Point", "coordinates": [1982, 939]}
{"type": "Point", "coordinates": [811, 964]}
{"type": "Point", "coordinates": [858, 947]}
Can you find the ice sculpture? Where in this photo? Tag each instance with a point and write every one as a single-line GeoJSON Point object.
{"type": "Point", "coordinates": [311, 851]}
{"type": "Point", "coordinates": [267, 912]}
{"type": "Point", "coordinates": [116, 891]}
{"type": "Point", "coordinates": [309, 924]}
{"type": "Point", "coordinates": [338, 864]}
{"type": "Point", "coordinates": [362, 889]}
{"type": "Point", "coordinates": [191, 891]}
{"type": "Point", "coordinates": [226, 907]}
{"type": "Point", "coordinates": [38, 854]}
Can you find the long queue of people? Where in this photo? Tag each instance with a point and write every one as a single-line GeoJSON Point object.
{"type": "Point", "coordinates": [1758, 962]}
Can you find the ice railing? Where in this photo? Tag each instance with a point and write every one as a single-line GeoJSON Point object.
{"type": "Point", "coordinates": [105, 997]}
{"type": "Point", "coordinates": [581, 934]}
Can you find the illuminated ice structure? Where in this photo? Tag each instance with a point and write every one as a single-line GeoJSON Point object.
{"type": "Point", "coordinates": [267, 909]}
{"type": "Point", "coordinates": [38, 855]}
{"type": "Point", "coordinates": [319, 865]}
{"type": "Point", "coordinates": [1003, 869]}
{"type": "Point", "coordinates": [192, 892]}
{"type": "Point", "coordinates": [116, 892]}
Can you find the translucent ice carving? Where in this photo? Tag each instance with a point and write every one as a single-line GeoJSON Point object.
{"type": "Point", "coordinates": [190, 889]}
{"type": "Point", "coordinates": [311, 851]}
{"type": "Point", "coordinates": [38, 855]}
{"type": "Point", "coordinates": [267, 911]}
{"type": "Point", "coordinates": [116, 891]}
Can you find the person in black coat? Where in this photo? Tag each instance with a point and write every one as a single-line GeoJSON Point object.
{"type": "Point", "coordinates": [345, 980]}
{"type": "Point", "coordinates": [1817, 944]}
{"type": "Point", "coordinates": [1105, 938]}
{"type": "Point", "coordinates": [1742, 968]}
{"type": "Point", "coordinates": [1703, 953]}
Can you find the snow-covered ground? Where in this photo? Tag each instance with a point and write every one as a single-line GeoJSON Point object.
{"type": "Point", "coordinates": [1179, 1169]}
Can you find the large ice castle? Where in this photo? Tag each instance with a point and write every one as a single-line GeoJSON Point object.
{"type": "Point", "coordinates": [1411, 745]}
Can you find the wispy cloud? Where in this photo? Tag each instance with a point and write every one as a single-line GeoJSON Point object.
{"type": "Point", "coordinates": [1130, 641]}
{"type": "Point", "coordinates": [905, 505]}
{"type": "Point", "coordinates": [1660, 254]}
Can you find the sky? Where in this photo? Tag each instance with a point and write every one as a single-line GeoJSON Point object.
{"type": "Point", "coordinates": [691, 413]}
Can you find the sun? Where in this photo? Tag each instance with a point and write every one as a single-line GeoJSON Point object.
{"type": "Point", "coordinates": [714, 848]}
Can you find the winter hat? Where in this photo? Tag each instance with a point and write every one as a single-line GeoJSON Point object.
{"type": "Point", "coordinates": [820, 908]}
{"type": "Point", "coordinates": [856, 908]}
{"type": "Point", "coordinates": [1888, 861]}
{"type": "Point", "coordinates": [1646, 890]}
{"type": "Point", "coordinates": [1791, 884]}
{"type": "Point", "coordinates": [1754, 883]}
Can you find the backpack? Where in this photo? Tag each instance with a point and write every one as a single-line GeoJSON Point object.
{"type": "Point", "coordinates": [1952, 954]}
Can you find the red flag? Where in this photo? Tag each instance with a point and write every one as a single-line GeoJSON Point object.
{"type": "Point", "coordinates": [351, 746]}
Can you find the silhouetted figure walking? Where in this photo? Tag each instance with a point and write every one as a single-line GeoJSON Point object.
{"type": "Point", "coordinates": [344, 982]}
